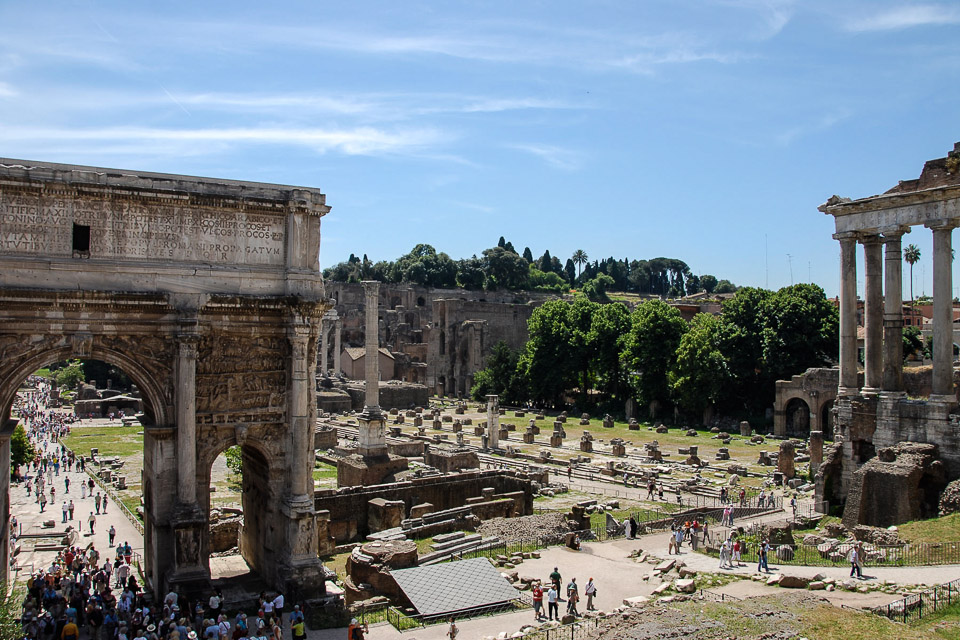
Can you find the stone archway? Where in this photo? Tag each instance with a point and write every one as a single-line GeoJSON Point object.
{"type": "Point", "coordinates": [208, 294]}
{"type": "Point", "coordinates": [798, 418]}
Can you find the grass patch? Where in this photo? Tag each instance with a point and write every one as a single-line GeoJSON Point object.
{"type": "Point", "coordinates": [322, 471]}
{"type": "Point", "coordinates": [945, 529]}
{"type": "Point", "coordinates": [338, 563]}
{"type": "Point", "coordinates": [832, 623]}
{"type": "Point", "coordinates": [43, 373]}
{"type": "Point", "coordinates": [942, 624]}
{"type": "Point", "coordinates": [131, 503]}
{"type": "Point", "coordinates": [111, 441]}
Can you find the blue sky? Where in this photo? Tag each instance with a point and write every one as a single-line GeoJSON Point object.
{"type": "Point", "coordinates": [708, 131]}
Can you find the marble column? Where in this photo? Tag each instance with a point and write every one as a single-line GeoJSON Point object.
{"type": "Point", "coordinates": [942, 313]}
{"type": "Point", "coordinates": [848, 313]}
{"type": "Point", "coordinates": [298, 414]}
{"type": "Point", "coordinates": [893, 313]}
{"type": "Point", "coordinates": [186, 404]}
{"type": "Point", "coordinates": [493, 422]}
{"type": "Point", "coordinates": [322, 360]}
{"type": "Point", "coordinates": [372, 424]}
{"type": "Point", "coordinates": [873, 313]}
{"type": "Point", "coordinates": [337, 327]}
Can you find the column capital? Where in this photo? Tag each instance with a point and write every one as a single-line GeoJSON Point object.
{"type": "Point", "coordinates": [187, 344]}
{"type": "Point", "coordinates": [894, 233]}
{"type": "Point", "coordinates": [371, 287]}
{"type": "Point", "coordinates": [846, 235]}
{"type": "Point", "coordinates": [868, 237]}
{"type": "Point", "coordinates": [942, 225]}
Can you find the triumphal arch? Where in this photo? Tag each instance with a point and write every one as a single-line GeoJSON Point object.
{"type": "Point", "coordinates": [208, 294]}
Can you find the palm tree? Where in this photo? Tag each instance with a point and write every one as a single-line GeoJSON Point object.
{"type": "Point", "coordinates": [911, 253]}
{"type": "Point", "coordinates": [579, 258]}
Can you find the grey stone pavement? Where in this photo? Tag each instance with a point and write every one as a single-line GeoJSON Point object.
{"type": "Point", "coordinates": [30, 520]}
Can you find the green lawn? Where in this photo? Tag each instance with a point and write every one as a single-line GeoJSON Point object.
{"type": "Point", "coordinates": [111, 441]}
{"type": "Point", "coordinates": [945, 529]}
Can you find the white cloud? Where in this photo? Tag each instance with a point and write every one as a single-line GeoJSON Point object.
{"type": "Point", "coordinates": [7, 91]}
{"type": "Point", "coordinates": [905, 17]}
{"type": "Point", "coordinates": [357, 141]}
{"type": "Point", "coordinates": [552, 155]}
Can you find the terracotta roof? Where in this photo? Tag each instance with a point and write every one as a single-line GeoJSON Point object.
{"type": "Point", "coordinates": [940, 172]}
{"type": "Point", "coordinates": [355, 353]}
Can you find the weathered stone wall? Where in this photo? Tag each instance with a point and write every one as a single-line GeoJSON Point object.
{"type": "Point", "coordinates": [348, 506]}
{"type": "Point", "coordinates": [416, 321]}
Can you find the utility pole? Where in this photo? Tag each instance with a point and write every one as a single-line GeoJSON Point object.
{"type": "Point", "coordinates": [790, 261]}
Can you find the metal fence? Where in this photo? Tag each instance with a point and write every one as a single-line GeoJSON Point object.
{"type": "Point", "coordinates": [578, 630]}
{"type": "Point", "coordinates": [905, 555]}
{"type": "Point", "coordinates": [915, 606]}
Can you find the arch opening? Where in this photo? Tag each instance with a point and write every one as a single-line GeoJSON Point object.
{"type": "Point", "coordinates": [798, 418]}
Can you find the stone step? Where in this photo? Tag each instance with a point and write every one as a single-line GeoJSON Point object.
{"type": "Point", "coordinates": [440, 556]}
{"type": "Point", "coordinates": [450, 544]}
{"type": "Point", "coordinates": [446, 537]}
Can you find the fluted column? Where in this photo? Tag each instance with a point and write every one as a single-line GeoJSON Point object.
{"type": "Point", "coordinates": [893, 312]}
{"type": "Point", "coordinates": [848, 313]}
{"type": "Point", "coordinates": [873, 313]}
{"type": "Point", "coordinates": [186, 403]}
{"type": "Point", "coordinates": [942, 313]}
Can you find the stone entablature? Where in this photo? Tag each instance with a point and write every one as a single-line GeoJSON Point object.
{"type": "Point", "coordinates": [138, 231]}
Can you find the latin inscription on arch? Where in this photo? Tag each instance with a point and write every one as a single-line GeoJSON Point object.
{"type": "Point", "coordinates": [130, 230]}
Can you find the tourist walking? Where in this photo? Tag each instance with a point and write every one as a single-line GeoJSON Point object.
{"type": "Point", "coordinates": [854, 558]}
{"type": "Point", "coordinates": [453, 631]}
{"type": "Point", "coordinates": [96, 502]}
{"type": "Point", "coordinates": [111, 533]}
{"type": "Point", "coordinates": [725, 550]}
{"type": "Point", "coordinates": [66, 510]}
{"type": "Point", "coordinates": [590, 591]}
{"type": "Point", "coordinates": [537, 602]}
{"type": "Point", "coordinates": [91, 521]}
{"type": "Point", "coordinates": [70, 508]}
{"type": "Point", "coordinates": [552, 608]}
{"type": "Point", "coordinates": [573, 595]}
{"type": "Point", "coordinates": [762, 556]}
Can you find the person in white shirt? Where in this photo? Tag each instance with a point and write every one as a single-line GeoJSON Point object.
{"type": "Point", "coordinates": [278, 605]}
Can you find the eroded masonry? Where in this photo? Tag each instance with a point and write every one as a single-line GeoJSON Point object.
{"type": "Point", "coordinates": [208, 294]}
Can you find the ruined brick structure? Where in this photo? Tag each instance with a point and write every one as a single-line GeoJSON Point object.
{"type": "Point", "coordinates": [439, 337]}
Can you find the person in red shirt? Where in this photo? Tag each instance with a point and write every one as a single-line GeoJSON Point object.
{"type": "Point", "coordinates": [537, 602]}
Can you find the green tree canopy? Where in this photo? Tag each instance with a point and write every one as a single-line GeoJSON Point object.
{"type": "Point", "coordinates": [650, 348]}
{"type": "Point", "coordinates": [21, 451]}
{"type": "Point", "coordinates": [69, 375]}
{"type": "Point", "coordinates": [700, 369]}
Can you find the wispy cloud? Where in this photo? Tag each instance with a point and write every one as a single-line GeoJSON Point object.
{"type": "Point", "coordinates": [7, 91]}
{"type": "Point", "coordinates": [906, 17]}
{"type": "Point", "coordinates": [824, 122]}
{"type": "Point", "coordinates": [358, 141]}
{"type": "Point", "coordinates": [554, 156]}
{"type": "Point", "coordinates": [774, 15]}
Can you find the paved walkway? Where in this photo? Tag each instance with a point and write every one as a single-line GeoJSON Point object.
{"type": "Point", "coordinates": [30, 520]}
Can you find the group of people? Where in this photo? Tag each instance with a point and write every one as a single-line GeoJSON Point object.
{"type": "Point", "coordinates": [554, 598]}
{"type": "Point", "coordinates": [692, 531]}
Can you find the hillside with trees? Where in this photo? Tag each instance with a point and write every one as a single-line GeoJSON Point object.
{"type": "Point", "coordinates": [502, 267]}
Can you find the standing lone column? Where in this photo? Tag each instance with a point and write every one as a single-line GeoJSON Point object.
{"type": "Point", "coordinates": [848, 313]}
{"type": "Point", "coordinates": [493, 422]}
{"type": "Point", "coordinates": [186, 401]}
{"type": "Point", "coordinates": [372, 437]}
{"type": "Point", "coordinates": [893, 313]}
{"type": "Point", "coordinates": [873, 314]}
{"type": "Point", "coordinates": [942, 313]}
